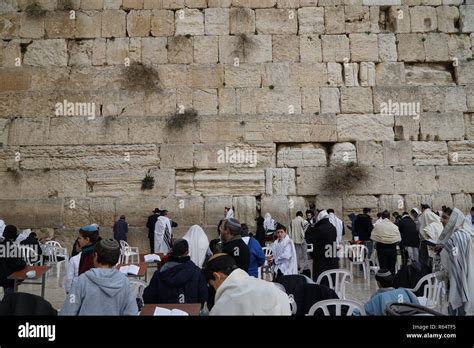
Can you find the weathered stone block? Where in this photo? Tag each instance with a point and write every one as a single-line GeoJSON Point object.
{"type": "Point", "coordinates": [330, 100]}
{"type": "Point", "coordinates": [397, 153]}
{"type": "Point", "coordinates": [266, 18]}
{"type": "Point", "coordinates": [398, 20]}
{"type": "Point", "coordinates": [310, 100]}
{"type": "Point", "coordinates": [369, 153]}
{"type": "Point", "coordinates": [311, 20]}
{"type": "Point", "coordinates": [343, 153]}
{"type": "Point", "coordinates": [430, 153]}
{"type": "Point", "coordinates": [52, 52]}
{"type": "Point", "coordinates": [207, 76]}
{"type": "Point", "coordinates": [302, 155]}
{"type": "Point", "coordinates": [461, 152]}
{"type": "Point", "coordinates": [190, 21]}
{"type": "Point", "coordinates": [357, 127]}
{"type": "Point", "coordinates": [310, 49]}
{"type": "Point", "coordinates": [423, 19]}
{"type": "Point", "coordinates": [280, 181]}
{"type": "Point", "coordinates": [138, 23]}
{"type": "Point", "coordinates": [335, 48]}
{"type": "Point", "coordinates": [206, 49]}
{"type": "Point", "coordinates": [463, 201]}
{"type": "Point", "coordinates": [466, 19]}
{"type": "Point", "coordinates": [367, 74]}
{"type": "Point", "coordinates": [357, 19]}
{"type": "Point", "coordinates": [205, 101]}
{"type": "Point", "coordinates": [448, 16]}
{"type": "Point", "coordinates": [389, 74]}
{"type": "Point", "coordinates": [436, 47]}
{"type": "Point", "coordinates": [242, 21]}
{"type": "Point", "coordinates": [180, 50]}
{"type": "Point", "coordinates": [334, 20]}
{"type": "Point", "coordinates": [58, 25]}
{"type": "Point", "coordinates": [464, 72]}
{"type": "Point", "coordinates": [117, 51]}
{"type": "Point", "coordinates": [273, 74]}
{"type": "Point", "coordinates": [243, 76]}
{"type": "Point", "coordinates": [421, 179]}
{"type": "Point", "coordinates": [351, 74]}
{"type": "Point", "coordinates": [245, 210]}
{"type": "Point", "coordinates": [356, 100]}
{"type": "Point", "coordinates": [455, 179]}
{"type": "Point", "coordinates": [113, 23]}
{"type": "Point", "coordinates": [80, 52]}
{"type": "Point", "coordinates": [391, 203]}
{"type": "Point", "coordinates": [154, 50]}
{"type": "Point", "coordinates": [364, 47]}
{"type": "Point", "coordinates": [216, 21]}
{"type": "Point", "coordinates": [447, 126]}
{"type": "Point", "coordinates": [214, 208]}
{"type": "Point", "coordinates": [247, 49]}
{"type": "Point", "coordinates": [162, 23]}
{"type": "Point", "coordinates": [279, 100]}
{"type": "Point", "coordinates": [411, 48]}
{"type": "Point", "coordinates": [335, 74]}
{"type": "Point", "coordinates": [277, 206]}
{"type": "Point", "coordinates": [286, 48]}
{"type": "Point", "coordinates": [387, 48]}
{"type": "Point", "coordinates": [308, 75]}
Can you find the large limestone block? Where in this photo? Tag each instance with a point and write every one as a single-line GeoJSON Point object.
{"type": "Point", "coordinates": [391, 203]}
{"type": "Point", "coordinates": [113, 23]}
{"type": "Point", "coordinates": [356, 100]}
{"type": "Point", "coordinates": [31, 28]}
{"type": "Point", "coordinates": [154, 50]}
{"type": "Point", "coordinates": [10, 25]}
{"type": "Point", "coordinates": [446, 126]}
{"type": "Point", "coordinates": [280, 181]}
{"type": "Point", "coordinates": [463, 201]}
{"type": "Point", "coordinates": [440, 199]}
{"type": "Point", "coordinates": [277, 206]}
{"type": "Point", "coordinates": [335, 74]}
{"type": "Point", "coordinates": [189, 22]}
{"type": "Point", "coordinates": [176, 156]}
{"type": "Point", "coordinates": [464, 72]}
{"type": "Point", "coordinates": [428, 75]}
{"type": "Point", "coordinates": [205, 101]}
{"type": "Point", "coordinates": [369, 153]}
{"type": "Point", "coordinates": [224, 182]}
{"type": "Point", "coordinates": [311, 20]}
{"type": "Point", "coordinates": [310, 49]}
{"type": "Point", "coordinates": [459, 46]}
{"type": "Point", "coordinates": [387, 48]}
{"type": "Point", "coordinates": [214, 208]}
{"type": "Point", "coordinates": [180, 50]}
{"type": "Point", "coordinates": [398, 20]}
{"type": "Point", "coordinates": [185, 210]}
{"type": "Point", "coordinates": [359, 202]}
{"type": "Point", "coordinates": [367, 74]}
{"type": "Point", "coordinates": [286, 48]}
{"type": "Point", "coordinates": [461, 152]}
{"type": "Point", "coordinates": [117, 51]}
{"type": "Point", "coordinates": [429, 153]}
{"type": "Point", "coordinates": [330, 202]}
{"type": "Point", "coordinates": [351, 74]}
{"type": "Point", "coordinates": [390, 74]}
{"type": "Point", "coordinates": [335, 20]}
{"type": "Point", "coordinates": [137, 209]}
{"type": "Point", "coordinates": [242, 21]}
{"type": "Point", "coordinates": [423, 19]}
{"type": "Point", "coordinates": [207, 76]}
{"type": "Point", "coordinates": [469, 126]}
{"type": "Point", "coordinates": [448, 16]}
{"type": "Point", "coordinates": [436, 47]}
{"type": "Point", "coordinates": [244, 75]}
{"type": "Point", "coordinates": [364, 47]}
{"type": "Point", "coordinates": [420, 179]}
{"type": "Point", "coordinates": [312, 181]}
{"type": "Point", "coordinates": [88, 24]}
{"type": "Point", "coordinates": [216, 21]}
{"type": "Point", "coordinates": [278, 100]}
{"type": "Point", "coordinates": [330, 100]}
{"type": "Point", "coordinates": [335, 48]}
{"type": "Point", "coordinates": [397, 153]}
{"type": "Point", "coordinates": [415, 200]}
{"type": "Point", "coordinates": [245, 49]}
{"type": "Point", "coordinates": [357, 19]}
{"type": "Point", "coordinates": [58, 25]}
{"type": "Point", "coordinates": [138, 23]}
{"type": "Point", "coordinates": [206, 49]}
{"type": "Point", "coordinates": [162, 23]}
{"type": "Point", "coordinates": [287, 21]}
{"type": "Point", "coordinates": [273, 74]}
{"type": "Point", "coordinates": [52, 52]}
{"type": "Point", "coordinates": [254, 3]}
{"type": "Point", "coordinates": [301, 155]}
{"type": "Point", "coordinates": [343, 153]}
{"type": "Point", "coordinates": [455, 179]}
{"type": "Point", "coordinates": [308, 75]}
{"type": "Point", "coordinates": [466, 19]}
{"type": "Point", "coordinates": [411, 48]}
{"type": "Point", "coordinates": [356, 127]}
{"type": "Point", "coordinates": [245, 209]}
{"type": "Point", "coordinates": [402, 96]}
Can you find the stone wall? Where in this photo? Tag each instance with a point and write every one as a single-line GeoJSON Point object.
{"type": "Point", "coordinates": [293, 87]}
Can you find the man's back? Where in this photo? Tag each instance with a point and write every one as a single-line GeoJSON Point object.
{"type": "Point", "coordinates": [408, 232]}
{"type": "Point", "coordinates": [363, 226]}
{"type": "Point", "coordinates": [178, 283]}
{"type": "Point", "coordinates": [241, 294]}
{"type": "Point", "coordinates": [382, 298]}
{"type": "Point", "coordinates": [100, 291]}
{"type": "Point", "coordinates": [239, 251]}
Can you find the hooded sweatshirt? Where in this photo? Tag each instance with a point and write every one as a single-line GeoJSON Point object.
{"type": "Point", "coordinates": [179, 281]}
{"type": "Point", "coordinates": [100, 291]}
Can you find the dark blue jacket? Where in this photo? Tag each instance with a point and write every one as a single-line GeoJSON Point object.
{"type": "Point", "coordinates": [257, 257]}
{"type": "Point", "coordinates": [120, 230]}
{"type": "Point", "coordinates": [179, 281]}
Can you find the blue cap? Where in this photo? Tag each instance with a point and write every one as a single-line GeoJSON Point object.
{"type": "Point", "coordinates": [90, 228]}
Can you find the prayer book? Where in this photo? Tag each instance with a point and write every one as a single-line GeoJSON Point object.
{"type": "Point", "coordinates": [130, 269]}
{"type": "Point", "coordinates": [152, 258]}
{"type": "Point", "coordinates": [160, 311]}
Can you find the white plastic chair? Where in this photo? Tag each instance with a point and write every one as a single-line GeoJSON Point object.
{"type": "Point", "coordinates": [309, 248]}
{"type": "Point", "coordinates": [128, 253]}
{"type": "Point", "coordinates": [324, 306]}
{"type": "Point", "coordinates": [138, 287]}
{"type": "Point", "coordinates": [431, 292]}
{"type": "Point", "coordinates": [267, 251]}
{"type": "Point", "coordinates": [339, 285]}
{"type": "Point", "coordinates": [374, 265]}
{"type": "Point", "coordinates": [30, 255]}
{"type": "Point", "coordinates": [265, 271]}
{"type": "Point", "coordinates": [55, 251]}
{"type": "Point", "coordinates": [359, 253]}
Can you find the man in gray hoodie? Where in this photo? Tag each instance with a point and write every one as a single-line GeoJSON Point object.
{"type": "Point", "coordinates": [108, 290]}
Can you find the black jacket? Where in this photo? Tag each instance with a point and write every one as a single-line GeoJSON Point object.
{"type": "Point", "coordinates": [363, 227]}
{"type": "Point", "coordinates": [239, 251]}
{"type": "Point", "coordinates": [306, 295]}
{"type": "Point", "coordinates": [20, 303]}
{"type": "Point", "coordinates": [408, 232]}
{"type": "Point", "coordinates": [181, 282]}
{"type": "Point", "coordinates": [322, 235]}
{"type": "Point", "coordinates": [151, 225]}
{"type": "Point", "coordinates": [409, 275]}
{"type": "Point", "coordinates": [32, 242]}
{"type": "Point", "coordinates": [9, 265]}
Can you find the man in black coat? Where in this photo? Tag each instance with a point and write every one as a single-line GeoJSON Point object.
{"type": "Point", "coordinates": [178, 281]}
{"type": "Point", "coordinates": [410, 238]}
{"type": "Point", "coordinates": [151, 228]}
{"type": "Point", "coordinates": [234, 245]}
{"type": "Point", "coordinates": [323, 236]}
{"type": "Point", "coordinates": [363, 225]}
{"type": "Point", "coordinates": [10, 261]}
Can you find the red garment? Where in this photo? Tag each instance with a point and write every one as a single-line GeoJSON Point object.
{"type": "Point", "coordinates": [86, 263]}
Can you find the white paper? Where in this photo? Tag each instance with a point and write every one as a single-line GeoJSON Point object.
{"type": "Point", "coordinates": [130, 269]}
{"type": "Point", "coordinates": [152, 258]}
{"type": "Point", "coordinates": [160, 311]}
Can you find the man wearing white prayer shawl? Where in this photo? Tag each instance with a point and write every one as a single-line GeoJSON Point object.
{"type": "Point", "coordinates": [336, 222]}
{"type": "Point", "coordinates": [2, 228]}
{"type": "Point", "coordinates": [430, 230]}
{"type": "Point", "coordinates": [163, 234]}
{"type": "Point", "coordinates": [269, 223]}
{"type": "Point", "coordinates": [284, 258]}
{"type": "Point", "coordinates": [298, 227]}
{"type": "Point", "coordinates": [198, 244]}
{"type": "Point", "coordinates": [457, 261]}
{"type": "Point", "coordinates": [237, 293]}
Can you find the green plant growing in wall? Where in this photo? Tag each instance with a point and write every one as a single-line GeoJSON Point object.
{"type": "Point", "coordinates": [148, 182]}
{"type": "Point", "coordinates": [345, 177]}
{"type": "Point", "coordinates": [138, 76]}
{"type": "Point", "coordinates": [180, 119]}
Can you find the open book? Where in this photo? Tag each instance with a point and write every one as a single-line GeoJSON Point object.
{"type": "Point", "coordinates": [130, 269]}
{"type": "Point", "coordinates": [152, 258]}
{"type": "Point", "coordinates": [160, 311]}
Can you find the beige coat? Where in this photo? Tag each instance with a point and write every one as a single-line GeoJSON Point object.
{"type": "Point", "coordinates": [386, 232]}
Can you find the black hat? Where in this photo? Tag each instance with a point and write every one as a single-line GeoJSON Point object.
{"type": "Point", "coordinates": [157, 210]}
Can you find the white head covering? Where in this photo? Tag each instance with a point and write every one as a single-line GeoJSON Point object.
{"type": "Point", "coordinates": [457, 221]}
{"type": "Point", "coordinates": [418, 211]}
{"type": "Point", "coordinates": [23, 235]}
{"type": "Point", "coordinates": [268, 223]}
{"type": "Point", "coordinates": [198, 244]}
{"type": "Point", "coordinates": [2, 227]}
{"type": "Point", "coordinates": [336, 222]}
{"type": "Point", "coordinates": [230, 214]}
{"type": "Point", "coordinates": [323, 214]}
